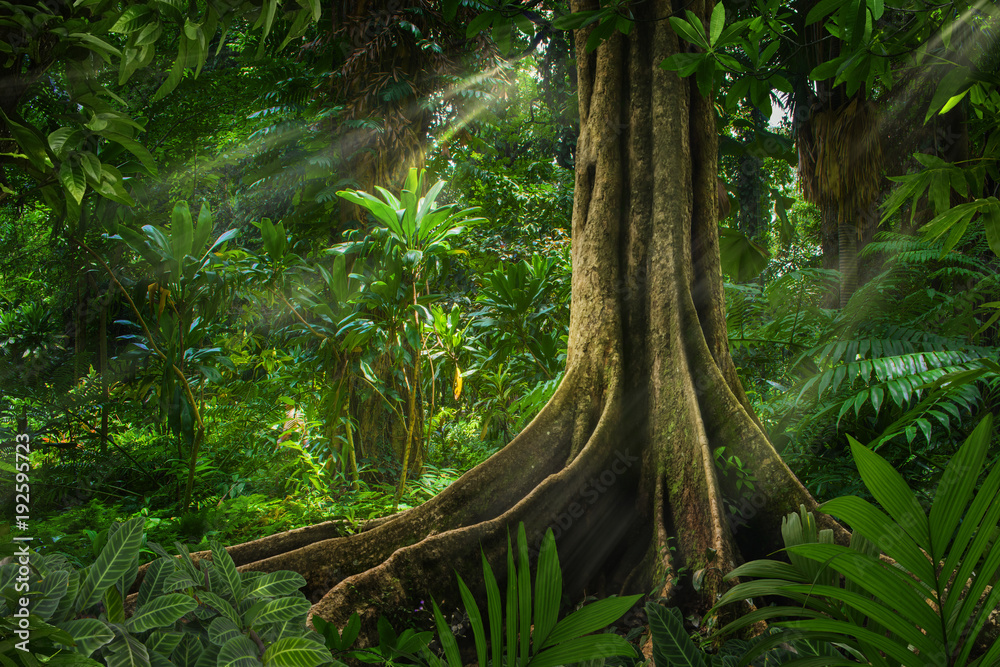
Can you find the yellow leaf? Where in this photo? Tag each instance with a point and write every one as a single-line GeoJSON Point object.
{"type": "Point", "coordinates": [164, 293]}
{"type": "Point", "coordinates": [151, 295]}
{"type": "Point", "coordinates": [458, 382]}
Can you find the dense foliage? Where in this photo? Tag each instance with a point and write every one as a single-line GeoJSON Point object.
{"type": "Point", "coordinates": [217, 322]}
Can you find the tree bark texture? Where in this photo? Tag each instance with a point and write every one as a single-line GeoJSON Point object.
{"type": "Point", "coordinates": [847, 259]}
{"type": "Point", "coordinates": [620, 462]}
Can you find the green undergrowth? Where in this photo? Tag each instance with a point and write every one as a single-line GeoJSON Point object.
{"type": "Point", "coordinates": [246, 507]}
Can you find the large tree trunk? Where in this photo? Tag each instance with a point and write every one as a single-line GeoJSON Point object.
{"type": "Point", "coordinates": [621, 459]}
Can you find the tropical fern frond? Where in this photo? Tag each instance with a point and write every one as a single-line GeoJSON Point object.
{"type": "Point", "coordinates": [783, 313]}
{"type": "Point", "coordinates": [914, 250]}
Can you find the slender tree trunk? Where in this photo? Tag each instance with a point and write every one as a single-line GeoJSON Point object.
{"type": "Point", "coordinates": [749, 179]}
{"type": "Point", "coordinates": [350, 458]}
{"type": "Point", "coordinates": [102, 359]}
{"type": "Point", "coordinates": [848, 260]}
{"type": "Point", "coordinates": [80, 329]}
{"type": "Point", "coordinates": [102, 343]}
{"type": "Point", "coordinates": [620, 462]}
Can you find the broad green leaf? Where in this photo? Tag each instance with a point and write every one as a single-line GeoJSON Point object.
{"type": "Point", "coordinates": [111, 186]}
{"type": "Point", "coordinates": [126, 651]}
{"type": "Point", "coordinates": [89, 634]}
{"type": "Point", "coordinates": [296, 652]}
{"type": "Point", "coordinates": [29, 140]}
{"type": "Point", "coordinates": [156, 575]}
{"type": "Point", "coordinates": [275, 584]}
{"type": "Point", "coordinates": [74, 179]}
{"type": "Point", "coordinates": [239, 651]}
{"type": "Point", "coordinates": [225, 566]}
{"type": "Point", "coordinates": [163, 641]}
{"type": "Point", "coordinates": [266, 19]}
{"type": "Point", "coordinates": [95, 44]}
{"type": "Point", "coordinates": [480, 22]}
{"type": "Point", "coordinates": [91, 167]}
{"type": "Point", "coordinates": [181, 231]}
{"type": "Point", "coordinates": [188, 650]}
{"type": "Point", "coordinates": [593, 617]}
{"type": "Point", "coordinates": [581, 649]}
{"type": "Point", "coordinates": [202, 231]}
{"type": "Point", "coordinates": [135, 148]}
{"type": "Point", "coordinates": [66, 138]}
{"type": "Point", "coordinates": [161, 612]}
{"type": "Point", "coordinates": [511, 609]}
{"type": "Point", "coordinates": [685, 64]}
{"type": "Point", "coordinates": [891, 491]}
{"type": "Point", "coordinates": [827, 69]}
{"type": "Point", "coordinates": [149, 34]}
{"type": "Point", "coordinates": [883, 531]}
{"type": "Point", "coordinates": [54, 587]}
{"type": "Point", "coordinates": [223, 237]}
{"type": "Point", "coordinates": [741, 258]}
{"type": "Point", "coordinates": [219, 604]}
{"type": "Point", "coordinates": [112, 563]}
{"type": "Point", "coordinates": [991, 221]}
{"type": "Point", "coordinates": [282, 609]}
{"type": "Point", "coordinates": [382, 212]}
{"type": "Point", "coordinates": [671, 643]}
{"type": "Point", "coordinates": [129, 20]}
{"type": "Point", "coordinates": [822, 9]}
{"type": "Point", "coordinates": [548, 589]}
{"type": "Point", "coordinates": [176, 72]}
{"type": "Point", "coordinates": [114, 606]}
{"type": "Point", "coordinates": [716, 24]}
{"type": "Point", "coordinates": [949, 86]}
{"type": "Point", "coordinates": [689, 32]}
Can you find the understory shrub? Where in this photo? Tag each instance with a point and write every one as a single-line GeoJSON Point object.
{"type": "Point", "coordinates": [187, 614]}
